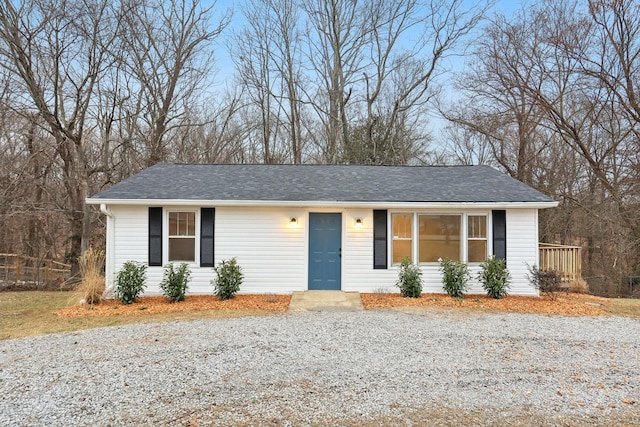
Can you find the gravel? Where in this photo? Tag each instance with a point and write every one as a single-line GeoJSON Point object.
{"type": "Point", "coordinates": [375, 367]}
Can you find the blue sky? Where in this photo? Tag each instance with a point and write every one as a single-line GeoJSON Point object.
{"type": "Point", "coordinates": [224, 65]}
{"type": "Point", "coordinates": [223, 60]}
{"type": "Point", "coordinates": [508, 6]}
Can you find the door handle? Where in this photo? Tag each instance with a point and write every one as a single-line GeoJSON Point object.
{"type": "Point", "coordinates": [340, 252]}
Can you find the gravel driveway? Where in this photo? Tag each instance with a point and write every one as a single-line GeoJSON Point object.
{"type": "Point", "coordinates": [416, 367]}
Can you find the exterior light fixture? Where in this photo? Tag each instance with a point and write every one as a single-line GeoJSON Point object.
{"type": "Point", "coordinates": [358, 223]}
{"type": "Point", "coordinates": [293, 222]}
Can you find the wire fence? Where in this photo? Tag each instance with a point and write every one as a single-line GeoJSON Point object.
{"type": "Point", "coordinates": [20, 269]}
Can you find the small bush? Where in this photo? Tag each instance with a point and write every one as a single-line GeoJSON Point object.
{"type": "Point", "coordinates": [130, 281]}
{"type": "Point", "coordinates": [91, 288]}
{"type": "Point", "coordinates": [228, 279]}
{"type": "Point", "coordinates": [495, 277]}
{"type": "Point", "coordinates": [455, 277]}
{"type": "Point", "coordinates": [175, 282]}
{"type": "Point", "coordinates": [381, 293]}
{"type": "Point", "coordinates": [547, 282]}
{"type": "Point", "coordinates": [579, 286]}
{"type": "Point", "coordinates": [271, 298]}
{"type": "Point", "coordinates": [409, 280]}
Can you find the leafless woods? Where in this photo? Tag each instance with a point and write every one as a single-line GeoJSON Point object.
{"type": "Point", "coordinates": [93, 91]}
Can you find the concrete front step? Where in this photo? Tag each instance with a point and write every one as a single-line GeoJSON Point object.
{"type": "Point", "coordinates": [325, 301]}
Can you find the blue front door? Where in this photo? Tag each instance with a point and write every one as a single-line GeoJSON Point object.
{"type": "Point", "coordinates": [325, 250]}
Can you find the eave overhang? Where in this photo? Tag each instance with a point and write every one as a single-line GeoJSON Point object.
{"type": "Point", "coordinates": [325, 204]}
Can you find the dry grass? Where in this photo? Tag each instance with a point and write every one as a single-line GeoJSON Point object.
{"type": "Point", "coordinates": [578, 286]}
{"type": "Point", "coordinates": [91, 287]}
{"type": "Point", "coordinates": [620, 306]}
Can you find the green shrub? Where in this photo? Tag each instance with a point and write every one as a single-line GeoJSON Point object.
{"type": "Point", "coordinates": [175, 282]}
{"type": "Point", "coordinates": [130, 281]}
{"type": "Point", "coordinates": [409, 280]}
{"type": "Point", "coordinates": [228, 279]}
{"type": "Point", "coordinates": [548, 282]}
{"type": "Point", "coordinates": [495, 277]}
{"type": "Point", "coordinates": [455, 277]}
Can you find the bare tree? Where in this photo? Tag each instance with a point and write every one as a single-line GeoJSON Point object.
{"type": "Point", "coordinates": [553, 91]}
{"type": "Point", "coordinates": [267, 54]}
{"type": "Point", "coordinates": [252, 46]}
{"type": "Point", "coordinates": [496, 103]}
{"type": "Point", "coordinates": [466, 147]}
{"type": "Point", "coordinates": [56, 52]}
{"type": "Point", "coordinates": [287, 59]}
{"type": "Point", "coordinates": [336, 50]}
{"type": "Point", "coordinates": [378, 64]}
{"type": "Point", "coordinates": [167, 51]}
{"type": "Point", "coordinates": [401, 78]}
{"type": "Point", "coordinates": [616, 56]}
{"type": "Point", "coordinates": [108, 84]}
{"type": "Point", "coordinates": [217, 137]}
{"type": "Point", "coordinates": [614, 62]}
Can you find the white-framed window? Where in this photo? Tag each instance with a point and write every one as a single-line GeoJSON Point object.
{"type": "Point", "coordinates": [476, 238]}
{"type": "Point", "coordinates": [454, 235]}
{"type": "Point", "coordinates": [181, 236]}
{"type": "Point", "coordinates": [402, 236]}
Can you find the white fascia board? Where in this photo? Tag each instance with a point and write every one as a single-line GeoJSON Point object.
{"type": "Point", "coordinates": [324, 204]}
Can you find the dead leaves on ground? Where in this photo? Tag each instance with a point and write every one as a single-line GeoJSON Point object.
{"type": "Point", "coordinates": [156, 305]}
{"type": "Point", "coordinates": [566, 304]}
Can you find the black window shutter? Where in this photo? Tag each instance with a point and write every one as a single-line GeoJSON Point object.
{"type": "Point", "coordinates": [207, 226]}
{"type": "Point", "coordinates": [155, 236]}
{"type": "Point", "coordinates": [379, 239]}
{"type": "Point", "coordinates": [499, 234]}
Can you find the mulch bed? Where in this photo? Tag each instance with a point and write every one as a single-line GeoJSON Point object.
{"type": "Point", "coordinates": [155, 305]}
{"type": "Point", "coordinates": [566, 304]}
{"type": "Point", "coordinates": [570, 304]}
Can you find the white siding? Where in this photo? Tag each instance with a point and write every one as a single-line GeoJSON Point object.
{"type": "Point", "coordinates": [359, 275]}
{"type": "Point", "coordinates": [357, 256]}
{"type": "Point", "coordinates": [522, 248]}
{"type": "Point", "coordinates": [357, 260]}
{"type": "Point", "coordinates": [271, 253]}
{"type": "Point", "coordinates": [131, 241]}
{"type": "Point", "coordinates": [273, 256]}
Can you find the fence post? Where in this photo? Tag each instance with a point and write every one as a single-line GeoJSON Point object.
{"type": "Point", "coordinates": [18, 268]}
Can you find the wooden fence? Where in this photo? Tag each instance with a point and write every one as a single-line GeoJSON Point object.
{"type": "Point", "coordinates": [20, 269]}
{"type": "Point", "coordinates": [567, 260]}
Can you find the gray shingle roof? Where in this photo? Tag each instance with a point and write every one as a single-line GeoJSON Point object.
{"type": "Point", "coordinates": [323, 183]}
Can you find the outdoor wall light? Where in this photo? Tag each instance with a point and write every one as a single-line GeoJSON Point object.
{"type": "Point", "coordinates": [293, 222]}
{"type": "Point", "coordinates": [358, 223]}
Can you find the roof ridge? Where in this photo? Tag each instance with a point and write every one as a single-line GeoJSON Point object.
{"type": "Point", "coordinates": [319, 165]}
